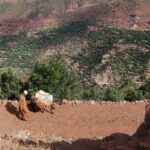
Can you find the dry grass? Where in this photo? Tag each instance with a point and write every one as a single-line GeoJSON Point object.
{"type": "Point", "coordinates": [24, 141]}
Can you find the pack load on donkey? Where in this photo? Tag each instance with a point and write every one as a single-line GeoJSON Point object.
{"type": "Point", "coordinates": [42, 101]}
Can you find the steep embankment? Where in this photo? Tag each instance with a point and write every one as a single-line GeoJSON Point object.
{"type": "Point", "coordinates": [72, 128]}
{"type": "Point", "coordinates": [78, 121]}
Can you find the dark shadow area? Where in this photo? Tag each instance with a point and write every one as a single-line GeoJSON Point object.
{"type": "Point", "coordinates": [32, 107]}
{"type": "Point", "coordinates": [140, 130]}
{"type": "Point", "coordinates": [81, 144]}
{"type": "Point", "coordinates": [114, 140]}
{"type": "Point", "coordinates": [144, 129]}
{"type": "Point", "coordinates": [11, 109]}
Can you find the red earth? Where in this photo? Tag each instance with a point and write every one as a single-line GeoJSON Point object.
{"type": "Point", "coordinates": [80, 121]}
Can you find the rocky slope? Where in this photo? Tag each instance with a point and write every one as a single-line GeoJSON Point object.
{"type": "Point", "coordinates": [78, 31]}
{"type": "Point", "coordinates": [19, 15]}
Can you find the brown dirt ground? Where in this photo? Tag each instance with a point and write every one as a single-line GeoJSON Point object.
{"type": "Point", "coordinates": [82, 121]}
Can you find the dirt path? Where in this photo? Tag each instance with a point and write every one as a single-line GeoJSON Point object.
{"type": "Point", "coordinates": [82, 121]}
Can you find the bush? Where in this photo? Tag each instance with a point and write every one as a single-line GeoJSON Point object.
{"type": "Point", "coordinates": [97, 93]}
{"type": "Point", "coordinates": [133, 94]}
{"type": "Point", "coordinates": [146, 89]}
{"type": "Point", "coordinates": [55, 77]}
{"type": "Point", "coordinates": [10, 85]}
{"type": "Point", "coordinates": [114, 94]}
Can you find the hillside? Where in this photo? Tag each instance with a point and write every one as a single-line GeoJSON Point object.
{"type": "Point", "coordinates": [107, 41]}
{"type": "Point", "coordinates": [35, 15]}
{"type": "Point", "coordinates": [91, 50]}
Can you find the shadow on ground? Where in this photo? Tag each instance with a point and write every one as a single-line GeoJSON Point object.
{"type": "Point", "coordinates": [11, 109]}
{"type": "Point", "coordinates": [81, 144]}
{"type": "Point", "coordinates": [112, 141]}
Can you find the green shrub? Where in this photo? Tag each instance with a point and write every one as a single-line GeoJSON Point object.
{"type": "Point", "coordinates": [133, 94]}
{"type": "Point", "coordinates": [55, 77]}
{"type": "Point", "coordinates": [130, 90]}
{"type": "Point", "coordinates": [146, 89]}
{"type": "Point", "coordinates": [10, 85]}
{"type": "Point", "coordinates": [114, 94]}
{"type": "Point", "coordinates": [97, 93]}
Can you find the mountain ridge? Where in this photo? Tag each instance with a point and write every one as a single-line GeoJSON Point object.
{"type": "Point", "coordinates": [17, 16]}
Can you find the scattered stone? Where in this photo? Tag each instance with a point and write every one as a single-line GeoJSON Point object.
{"type": "Point", "coordinates": [92, 102]}
{"type": "Point", "coordinates": [100, 138]}
{"type": "Point", "coordinates": [72, 103]}
{"type": "Point", "coordinates": [78, 102]}
{"type": "Point", "coordinates": [124, 102]}
{"type": "Point", "coordinates": [133, 103]}
{"type": "Point", "coordinates": [56, 105]}
{"type": "Point", "coordinates": [86, 102]}
{"type": "Point", "coordinates": [140, 101]}
{"type": "Point", "coordinates": [4, 102]}
{"type": "Point", "coordinates": [136, 102]}
{"type": "Point", "coordinates": [145, 100]}
{"type": "Point", "coordinates": [99, 102]}
{"type": "Point", "coordinates": [65, 101]}
{"type": "Point", "coordinates": [23, 134]}
{"type": "Point", "coordinates": [102, 102]}
{"type": "Point", "coordinates": [130, 134]}
{"type": "Point", "coordinates": [121, 102]}
{"type": "Point", "coordinates": [5, 137]}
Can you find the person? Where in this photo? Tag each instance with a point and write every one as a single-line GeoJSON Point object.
{"type": "Point", "coordinates": [23, 109]}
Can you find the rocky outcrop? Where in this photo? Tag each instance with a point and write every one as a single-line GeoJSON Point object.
{"type": "Point", "coordinates": [139, 141]}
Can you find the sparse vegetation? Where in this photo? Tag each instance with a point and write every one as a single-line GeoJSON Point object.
{"type": "Point", "coordinates": [21, 51]}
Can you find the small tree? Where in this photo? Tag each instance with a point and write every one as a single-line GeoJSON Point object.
{"type": "Point", "coordinates": [97, 93]}
{"type": "Point", "coordinates": [146, 89]}
{"type": "Point", "coordinates": [133, 94]}
{"type": "Point", "coordinates": [10, 85]}
{"type": "Point", "coordinates": [114, 94]}
{"type": "Point", "coordinates": [54, 76]}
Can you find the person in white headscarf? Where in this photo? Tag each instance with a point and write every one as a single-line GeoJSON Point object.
{"type": "Point", "coordinates": [23, 109]}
